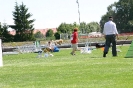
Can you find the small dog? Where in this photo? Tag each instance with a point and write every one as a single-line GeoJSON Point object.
{"type": "Point", "coordinates": [47, 52]}
{"type": "Point", "coordinates": [60, 41]}
{"type": "Point", "coordinates": [100, 45]}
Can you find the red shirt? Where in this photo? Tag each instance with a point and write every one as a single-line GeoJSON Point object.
{"type": "Point", "coordinates": [74, 38]}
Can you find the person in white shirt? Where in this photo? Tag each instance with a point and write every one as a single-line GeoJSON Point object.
{"type": "Point", "coordinates": [50, 46]}
{"type": "Point", "coordinates": [110, 33]}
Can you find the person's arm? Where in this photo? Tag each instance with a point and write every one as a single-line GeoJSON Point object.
{"type": "Point", "coordinates": [77, 37]}
{"type": "Point", "coordinates": [116, 32]}
{"type": "Point", "coordinates": [117, 36]}
{"type": "Point", "coordinates": [104, 31]}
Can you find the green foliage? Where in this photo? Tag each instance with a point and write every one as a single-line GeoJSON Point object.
{"type": "Point", "coordinates": [50, 38]}
{"type": "Point", "coordinates": [122, 11]}
{"type": "Point", "coordinates": [126, 37]}
{"type": "Point", "coordinates": [57, 35]}
{"type": "Point", "coordinates": [38, 35]}
{"type": "Point", "coordinates": [124, 15]}
{"type": "Point", "coordinates": [94, 27]}
{"type": "Point", "coordinates": [65, 28]}
{"type": "Point", "coordinates": [66, 71]}
{"type": "Point", "coordinates": [90, 27]}
{"type": "Point", "coordinates": [6, 37]}
{"type": "Point", "coordinates": [83, 27]}
{"type": "Point", "coordinates": [1, 30]}
{"type": "Point", "coordinates": [111, 12]}
{"type": "Point", "coordinates": [49, 33]}
{"type": "Point", "coordinates": [23, 26]}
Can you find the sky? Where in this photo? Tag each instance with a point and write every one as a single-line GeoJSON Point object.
{"type": "Point", "coordinates": [51, 13]}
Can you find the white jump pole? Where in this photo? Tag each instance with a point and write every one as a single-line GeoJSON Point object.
{"type": "Point", "coordinates": [1, 60]}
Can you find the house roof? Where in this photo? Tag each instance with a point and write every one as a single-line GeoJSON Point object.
{"type": "Point", "coordinates": [43, 31]}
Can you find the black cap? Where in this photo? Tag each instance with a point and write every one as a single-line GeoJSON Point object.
{"type": "Point", "coordinates": [110, 17]}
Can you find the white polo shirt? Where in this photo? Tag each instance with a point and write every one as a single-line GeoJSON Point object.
{"type": "Point", "coordinates": [110, 28]}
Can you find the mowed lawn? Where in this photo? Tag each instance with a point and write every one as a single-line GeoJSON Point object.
{"type": "Point", "coordinates": [66, 71]}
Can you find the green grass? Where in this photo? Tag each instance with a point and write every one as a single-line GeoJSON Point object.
{"type": "Point", "coordinates": [66, 71]}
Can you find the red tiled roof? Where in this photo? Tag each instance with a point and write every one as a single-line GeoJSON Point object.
{"type": "Point", "coordinates": [13, 32]}
{"type": "Point", "coordinates": [43, 31]}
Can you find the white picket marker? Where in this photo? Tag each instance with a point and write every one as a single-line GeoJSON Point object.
{"type": "Point", "coordinates": [1, 60]}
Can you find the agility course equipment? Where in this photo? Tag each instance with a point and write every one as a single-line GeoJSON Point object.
{"type": "Point", "coordinates": [85, 50]}
{"type": "Point", "coordinates": [1, 60]}
{"type": "Point", "coordinates": [130, 51]}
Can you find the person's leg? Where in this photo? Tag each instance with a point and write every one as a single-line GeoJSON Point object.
{"type": "Point", "coordinates": [74, 51]}
{"type": "Point", "coordinates": [114, 52]}
{"type": "Point", "coordinates": [74, 48]}
{"type": "Point", "coordinates": [107, 45]}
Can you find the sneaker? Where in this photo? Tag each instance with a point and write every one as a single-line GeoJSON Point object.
{"type": "Point", "coordinates": [72, 53]}
{"type": "Point", "coordinates": [104, 54]}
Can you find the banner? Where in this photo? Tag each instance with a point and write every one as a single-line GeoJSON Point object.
{"type": "Point", "coordinates": [1, 61]}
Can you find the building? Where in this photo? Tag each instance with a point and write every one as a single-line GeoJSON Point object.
{"type": "Point", "coordinates": [43, 31]}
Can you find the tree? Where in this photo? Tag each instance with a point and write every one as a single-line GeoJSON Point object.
{"type": "Point", "coordinates": [49, 33]}
{"type": "Point", "coordinates": [94, 27]}
{"type": "Point", "coordinates": [57, 35]}
{"type": "Point", "coordinates": [124, 15]}
{"type": "Point", "coordinates": [23, 25]}
{"type": "Point", "coordinates": [63, 28]}
{"type": "Point", "coordinates": [122, 12]}
{"type": "Point", "coordinates": [67, 28]}
{"type": "Point", "coordinates": [110, 12]}
{"type": "Point", "coordinates": [6, 37]}
{"type": "Point", "coordinates": [89, 27]}
{"type": "Point", "coordinates": [82, 27]}
{"type": "Point", "coordinates": [1, 31]}
{"type": "Point", "coordinates": [38, 35]}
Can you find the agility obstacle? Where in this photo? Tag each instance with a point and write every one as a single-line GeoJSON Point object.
{"type": "Point", "coordinates": [130, 51]}
{"type": "Point", "coordinates": [1, 60]}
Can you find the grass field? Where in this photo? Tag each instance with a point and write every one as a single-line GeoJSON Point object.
{"type": "Point", "coordinates": [66, 71]}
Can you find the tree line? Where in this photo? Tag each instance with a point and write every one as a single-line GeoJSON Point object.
{"type": "Point", "coordinates": [122, 12]}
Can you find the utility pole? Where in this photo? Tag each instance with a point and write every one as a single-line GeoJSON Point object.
{"type": "Point", "coordinates": [78, 11]}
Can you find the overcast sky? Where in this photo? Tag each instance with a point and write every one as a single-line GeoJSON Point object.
{"type": "Point", "coordinates": [51, 13]}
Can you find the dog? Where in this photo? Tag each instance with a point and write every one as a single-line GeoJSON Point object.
{"type": "Point", "coordinates": [59, 42]}
{"type": "Point", "coordinates": [100, 45]}
{"type": "Point", "coordinates": [47, 52]}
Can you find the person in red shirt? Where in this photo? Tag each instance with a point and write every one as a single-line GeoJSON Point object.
{"type": "Point", "coordinates": [74, 41]}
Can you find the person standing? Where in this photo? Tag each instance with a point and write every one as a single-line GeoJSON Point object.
{"type": "Point", "coordinates": [74, 41]}
{"type": "Point", "coordinates": [110, 33]}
